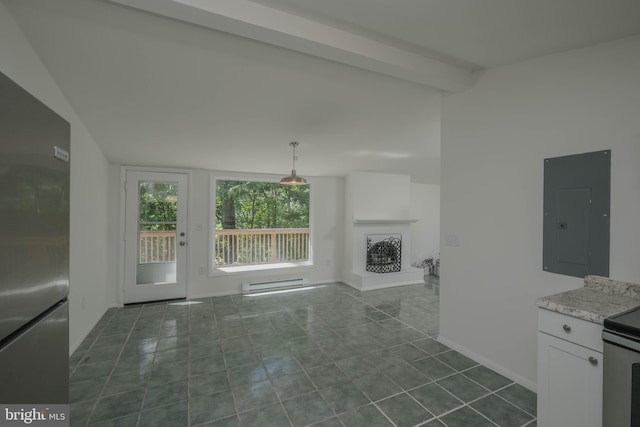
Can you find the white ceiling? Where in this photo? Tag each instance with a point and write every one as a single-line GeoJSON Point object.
{"type": "Point", "coordinates": [159, 91]}
{"type": "Point", "coordinates": [477, 33]}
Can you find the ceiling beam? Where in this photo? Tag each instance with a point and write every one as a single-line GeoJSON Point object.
{"type": "Point", "coordinates": [257, 22]}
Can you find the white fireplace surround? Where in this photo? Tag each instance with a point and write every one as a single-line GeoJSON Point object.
{"type": "Point", "coordinates": [377, 203]}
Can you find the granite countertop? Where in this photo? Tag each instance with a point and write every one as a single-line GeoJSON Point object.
{"type": "Point", "coordinates": [598, 299]}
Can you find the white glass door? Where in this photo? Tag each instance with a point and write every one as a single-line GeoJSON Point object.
{"type": "Point", "coordinates": [155, 236]}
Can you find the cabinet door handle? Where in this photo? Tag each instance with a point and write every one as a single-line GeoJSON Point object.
{"type": "Point", "coordinates": [566, 328]}
{"type": "Point", "coordinates": [593, 361]}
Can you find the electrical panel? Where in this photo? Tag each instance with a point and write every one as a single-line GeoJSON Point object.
{"type": "Point", "coordinates": [576, 214]}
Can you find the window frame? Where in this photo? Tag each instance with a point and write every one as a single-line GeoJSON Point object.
{"type": "Point", "coordinates": [215, 271]}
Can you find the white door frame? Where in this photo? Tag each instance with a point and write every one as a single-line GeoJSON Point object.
{"type": "Point", "coordinates": [122, 222]}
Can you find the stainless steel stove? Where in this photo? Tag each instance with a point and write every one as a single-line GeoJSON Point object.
{"type": "Point", "coordinates": [621, 382]}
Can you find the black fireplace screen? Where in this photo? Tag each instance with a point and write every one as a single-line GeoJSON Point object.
{"type": "Point", "coordinates": [384, 256]}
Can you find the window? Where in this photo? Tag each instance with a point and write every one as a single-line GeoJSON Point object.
{"type": "Point", "coordinates": [158, 206]}
{"type": "Point", "coordinates": [260, 223]}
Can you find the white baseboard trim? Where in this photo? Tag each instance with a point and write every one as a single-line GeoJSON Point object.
{"type": "Point", "coordinates": [391, 285]}
{"type": "Point", "coordinates": [325, 282]}
{"type": "Point", "coordinates": [74, 346]}
{"type": "Point", "coordinates": [238, 291]}
{"type": "Point", "coordinates": [351, 284]}
{"type": "Point", "coordinates": [531, 385]}
{"type": "Point", "coordinates": [223, 293]}
{"type": "Point", "coordinates": [364, 288]}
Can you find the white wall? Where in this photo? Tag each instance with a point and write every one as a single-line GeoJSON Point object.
{"type": "Point", "coordinates": [425, 234]}
{"type": "Point", "coordinates": [378, 196]}
{"type": "Point", "coordinates": [327, 199]}
{"type": "Point", "coordinates": [90, 273]}
{"type": "Point", "coordinates": [328, 215]}
{"type": "Point", "coordinates": [494, 139]}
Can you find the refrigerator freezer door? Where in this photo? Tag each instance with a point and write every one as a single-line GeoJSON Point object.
{"type": "Point", "coordinates": [34, 207]}
{"type": "Point", "coordinates": [35, 363]}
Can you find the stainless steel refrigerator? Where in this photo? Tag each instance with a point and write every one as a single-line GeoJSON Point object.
{"type": "Point", "coordinates": [34, 249]}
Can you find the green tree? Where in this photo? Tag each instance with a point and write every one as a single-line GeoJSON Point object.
{"type": "Point", "coordinates": [259, 205]}
{"type": "Point", "coordinates": [158, 206]}
{"type": "Point", "coordinates": [251, 204]}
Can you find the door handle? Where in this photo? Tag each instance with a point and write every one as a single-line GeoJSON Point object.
{"type": "Point", "coordinates": [183, 243]}
{"type": "Point", "coordinates": [593, 361]}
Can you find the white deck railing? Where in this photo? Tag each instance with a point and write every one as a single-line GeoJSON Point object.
{"type": "Point", "coordinates": [157, 246]}
{"type": "Point", "coordinates": [261, 246]}
{"type": "Point", "coordinates": [234, 247]}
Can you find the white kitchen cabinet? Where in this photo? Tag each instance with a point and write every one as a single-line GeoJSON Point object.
{"type": "Point", "coordinates": [569, 371]}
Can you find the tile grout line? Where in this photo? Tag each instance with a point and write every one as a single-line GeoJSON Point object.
{"type": "Point", "coordinates": [108, 378]}
{"type": "Point", "coordinates": [189, 371]}
{"type": "Point", "coordinates": [304, 370]}
{"type": "Point", "coordinates": [494, 393]}
{"type": "Point", "coordinates": [433, 381]}
{"type": "Point", "coordinates": [244, 311]}
{"type": "Point", "coordinates": [269, 378]}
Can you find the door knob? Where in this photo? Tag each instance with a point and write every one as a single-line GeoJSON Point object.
{"type": "Point", "coordinates": [182, 234]}
{"type": "Point", "coordinates": [183, 243]}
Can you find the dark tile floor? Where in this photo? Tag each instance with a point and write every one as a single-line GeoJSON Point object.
{"type": "Point", "coordinates": [324, 356]}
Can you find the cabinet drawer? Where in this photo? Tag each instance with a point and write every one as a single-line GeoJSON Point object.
{"type": "Point", "coordinates": [578, 331]}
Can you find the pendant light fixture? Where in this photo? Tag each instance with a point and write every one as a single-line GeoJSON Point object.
{"type": "Point", "coordinates": [293, 179]}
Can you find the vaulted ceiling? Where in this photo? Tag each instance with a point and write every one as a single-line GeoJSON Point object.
{"type": "Point", "coordinates": [227, 84]}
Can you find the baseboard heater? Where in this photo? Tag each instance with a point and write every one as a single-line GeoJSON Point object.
{"type": "Point", "coordinates": [253, 287]}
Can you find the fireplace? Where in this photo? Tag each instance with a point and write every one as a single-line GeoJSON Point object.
{"type": "Point", "coordinates": [384, 253]}
{"type": "Point", "coordinates": [378, 232]}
